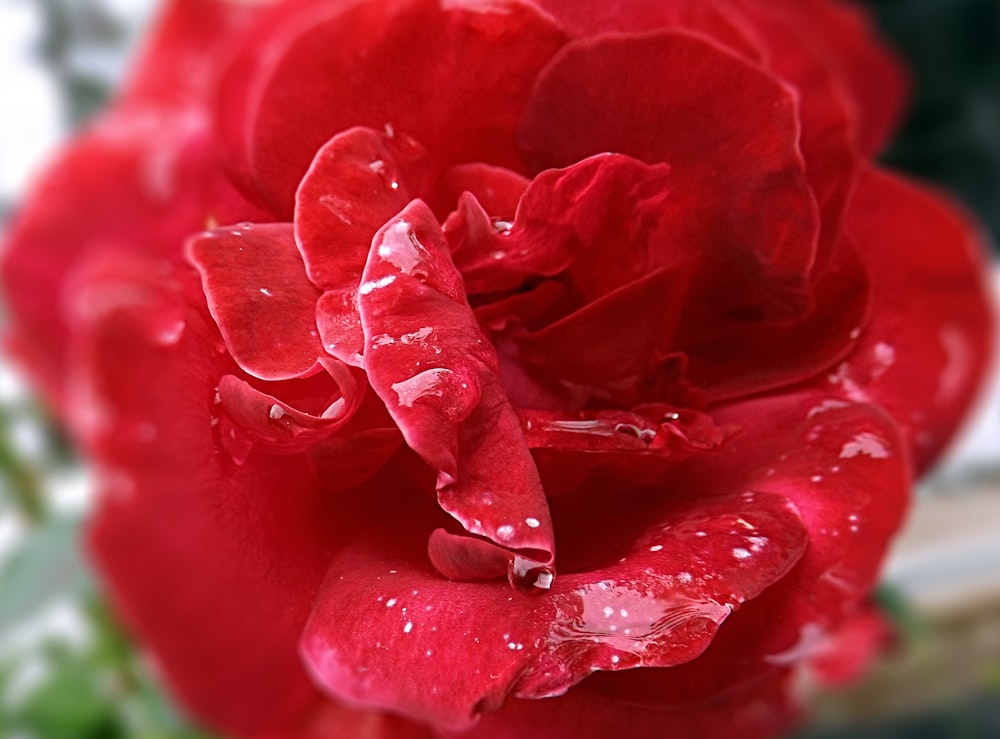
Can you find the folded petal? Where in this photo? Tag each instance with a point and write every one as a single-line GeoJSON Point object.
{"type": "Point", "coordinates": [606, 205]}
{"type": "Point", "coordinates": [280, 427]}
{"type": "Point", "coordinates": [438, 376]}
{"type": "Point", "coordinates": [260, 297]}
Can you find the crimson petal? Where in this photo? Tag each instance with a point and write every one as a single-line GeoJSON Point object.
{"type": "Point", "coordinates": [356, 182]}
{"type": "Point", "coordinates": [846, 470]}
{"type": "Point", "coordinates": [607, 203]}
{"type": "Point", "coordinates": [739, 192]}
{"type": "Point", "coordinates": [169, 495]}
{"type": "Point", "coordinates": [437, 374]}
{"type": "Point", "coordinates": [333, 67]}
{"type": "Point", "coordinates": [475, 644]}
{"type": "Point", "coordinates": [625, 333]}
{"type": "Point", "coordinates": [925, 353]}
{"type": "Point", "coordinates": [260, 297]}
{"type": "Point", "coordinates": [280, 427]}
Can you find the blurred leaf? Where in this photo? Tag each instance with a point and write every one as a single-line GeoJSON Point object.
{"type": "Point", "coordinates": [44, 566]}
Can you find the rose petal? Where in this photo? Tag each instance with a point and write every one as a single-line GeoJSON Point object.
{"type": "Point", "coordinates": [278, 426]}
{"type": "Point", "coordinates": [826, 112]}
{"type": "Point", "coordinates": [629, 448]}
{"type": "Point", "coordinates": [437, 374]}
{"type": "Point", "coordinates": [760, 711]}
{"type": "Point", "coordinates": [718, 21]}
{"type": "Point", "coordinates": [330, 68]}
{"type": "Point", "coordinates": [260, 297]}
{"type": "Point", "coordinates": [625, 333]}
{"type": "Point", "coordinates": [223, 627]}
{"type": "Point", "coordinates": [498, 190]}
{"type": "Point", "coordinates": [739, 193]}
{"type": "Point", "coordinates": [844, 467]}
{"type": "Point", "coordinates": [606, 203]}
{"type": "Point", "coordinates": [755, 356]}
{"type": "Point", "coordinates": [925, 352]}
{"type": "Point", "coordinates": [843, 34]}
{"type": "Point", "coordinates": [357, 181]}
{"type": "Point", "coordinates": [473, 644]}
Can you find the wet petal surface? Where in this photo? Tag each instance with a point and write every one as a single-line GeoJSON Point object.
{"type": "Point", "coordinates": [260, 297]}
{"type": "Point", "coordinates": [438, 376]}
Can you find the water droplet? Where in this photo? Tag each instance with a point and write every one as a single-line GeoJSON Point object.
{"type": "Point", "coordinates": [505, 532]}
{"type": "Point", "coordinates": [529, 576]}
{"type": "Point", "coordinates": [865, 443]}
{"type": "Point", "coordinates": [532, 523]}
{"type": "Point", "coordinates": [408, 627]}
{"type": "Point", "coordinates": [741, 553]}
{"type": "Point", "coordinates": [266, 292]}
{"type": "Point", "coordinates": [373, 285]}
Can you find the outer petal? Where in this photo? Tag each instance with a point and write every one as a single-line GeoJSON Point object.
{"type": "Point", "coordinates": [456, 78]}
{"type": "Point", "coordinates": [137, 181]}
{"type": "Point", "coordinates": [472, 644]}
{"type": "Point", "coordinates": [260, 297]}
{"type": "Point", "coordinates": [848, 473]}
{"type": "Point", "coordinates": [717, 20]}
{"type": "Point", "coordinates": [925, 352]}
{"type": "Point", "coordinates": [842, 33]}
{"type": "Point", "coordinates": [738, 187]}
{"type": "Point", "coordinates": [438, 376]}
{"type": "Point", "coordinates": [223, 626]}
{"type": "Point", "coordinates": [760, 711]}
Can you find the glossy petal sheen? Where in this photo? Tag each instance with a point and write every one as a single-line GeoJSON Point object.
{"type": "Point", "coordinates": [438, 376]}
{"type": "Point", "coordinates": [845, 468]}
{"type": "Point", "coordinates": [259, 295]}
{"type": "Point", "coordinates": [384, 617]}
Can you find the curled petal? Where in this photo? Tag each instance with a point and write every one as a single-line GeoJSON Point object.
{"type": "Point", "coordinates": [474, 644]}
{"type": "Point", "coordinates": [606, 203]}
{"type": "Point", "coordinates": [260, 297]}
{"type": "Point", "coordinates": [438, 376]}
{"type": "Point", "coordinates": [846, 470]}
{"type": "Point", "coordinates": [278, 426]}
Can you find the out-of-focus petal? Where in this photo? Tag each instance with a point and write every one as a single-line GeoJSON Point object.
{"type": "Point", "coordinates": [223, 626]}
{"type": "Point", "coordinates": [925, 352]}
{"type": "Point", "coordinates": [328, 68]}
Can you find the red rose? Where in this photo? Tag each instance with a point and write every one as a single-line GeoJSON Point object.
{"type": "Point", "coordinates": [565, 375]}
